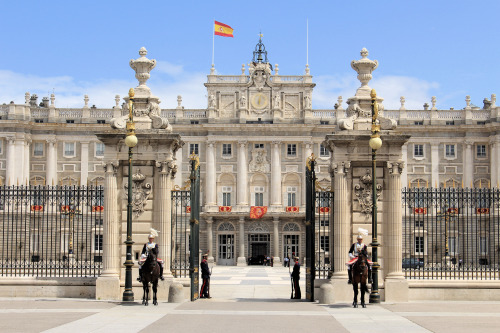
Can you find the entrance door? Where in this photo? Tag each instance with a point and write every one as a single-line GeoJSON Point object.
{"type": "Point", "coordinates": [291, 247]}
{"type": "Point", "coordinates": [226, 250]}
{"type": "Point", "coordinates": [258, 248]}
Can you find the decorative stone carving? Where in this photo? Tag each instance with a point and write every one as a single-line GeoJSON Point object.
{"type": "Point", "coordinates": [142, 66]}
{"type": "Point", "coordinates": [307, 102]}
{"type": "Point", "coordinates": [433, 102]}
{"type": "Point", "coordinates": [363, 192]}
{"type": "Point", "coordinates": [395, 167]}
{"type": "Point", "coordinates": [211, 101]}
{"type": "Point", "coordinates": [402, 100]}
{"type": "Point", "coordinates": [147, 112]}
{"type": "Point", "coordinates": [110, 166]}
{"type": "Point", "coordinates": [117, 101]}
{"type": "Point", "coordinates": [259, 162]}
{"type": "Point", "coordinates": [167, 167]}
{"type": "Point", "coordinates": [467, 102]}
{"type": "Point", "coordinates": [342, 167]}
{"type": "Point", "coordinates": [364, 67]}
{"type": "Point", "coordinates": [339, 104]}
{"type": "Point", "coordinates": [140, 192]}
{"type": "Point", "coordinates": [243, 100]}
{"type": "Point", "coordinates": [276, 102]}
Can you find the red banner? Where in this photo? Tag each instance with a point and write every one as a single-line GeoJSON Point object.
{"type": "Point", "coordinates": [188, 209]}
{"type": "Point", "coordinates": [324, 209]}
{"type": "Point", "coordinates": [64, 209]}
{"type": "Point", "coordinates": [256, 212]}
{"type": "Point", "coordinates": [225, 209]}
{"type": "Point", "coordinates": [292, 209]}
{"type": "Point", "coordinates": [420, 210]}
{"type": "Point", "coordinates": [454, 210]}
{"type": "Point", "coordinates": [482, 210]}
{"type": "Point", "coordinates": [97, 208]}
{"type": "Point", "coordinates": [36, 208]}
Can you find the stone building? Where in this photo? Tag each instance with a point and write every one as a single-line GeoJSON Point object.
{"type": "Point", "coordinates": [253, 140]}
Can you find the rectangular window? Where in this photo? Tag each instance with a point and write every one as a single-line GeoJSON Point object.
{"type": "Point", "coordinates": [419, 224]}
{"type": "Point", "coordinates": [69, 149]}
{"type": "Point", "coordinates": [324, 242]}
{"type": "Point", "coordinates": [323, 152]}
{"type": "Point", "coordinates": [450, 150]}
{"type": "Point", "coordinates": [226, 149]}
{"type": "Point", "coordinates": [193, 148]}
{"type": "Point", "coordinates": [99, 149]}
{"type": "Point", "coordinates": [450, 122]}
{"type": "Point", "coordinates": [483, 245]}
{"type": "Point", "coordinates": [452, 244]}
{"type": "Point", "coordinates": [324, 122]}
{"type": "Point", "coordinates": [324, 223]}
{"type": "Point", "coordinates": [195, 122]}
{"type": "Point", "coordinates": [38, 148]}
{"type": "Point", "coordinates": [99, 221]}
{"type": "Point", "coordinates": [418, 150]}
{"type": "Point", "coordinates": [481, 123]}
{"type": "Point", "coordinates": [419, 244]}
{"type": "Point", "coordinates": [291, 199]}
{"type": "Point", "coordinates": [259, 199]}
{"type": "Point", "coordinates": [38, 121]}
{"type": "Point", "coordinates": [226, 199]}
{"type": "Point", "coordinates": [419, 123]}
{"type": "Point", "coordinates": [101, 121]}
{"type": "Point", "coordinates": [291, 150]}
{"type": "Point", "coordinates": [258, 145]}
{"type": "Point", "coordinates": [481, 150]}
{"type": "Point", "coordinates": [70, 121]}
{"type": "Point", "coordinates": [97, 242]}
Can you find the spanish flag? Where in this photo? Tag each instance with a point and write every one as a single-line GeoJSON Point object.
{"type": "Point", "coordinates": [221, 29]}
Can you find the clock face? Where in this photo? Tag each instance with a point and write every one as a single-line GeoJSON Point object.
{"type": "Point", "coordinates": [259, 101]}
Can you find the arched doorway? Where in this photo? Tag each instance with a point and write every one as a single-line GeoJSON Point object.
{"type": "Point", "coordinates": [225, 244]}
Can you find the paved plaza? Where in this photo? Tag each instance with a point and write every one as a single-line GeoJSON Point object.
{"type": "Point", "coordinates": [244, 299]}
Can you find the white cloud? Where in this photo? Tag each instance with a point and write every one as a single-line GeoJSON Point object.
{"type": "Point", "coordinates": [391, 88]}
{"type": "Point", "coordinates": [70, 92]}
{"type": "Point", "coordinates": [169, 68]}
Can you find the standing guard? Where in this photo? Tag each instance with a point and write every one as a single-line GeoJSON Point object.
{"type": "Point", "coordinates": [205, 275]}
{"type": "Point", "coordinates": [296, 278]}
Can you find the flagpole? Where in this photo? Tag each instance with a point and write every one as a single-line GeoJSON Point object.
{"type": "Point", "coordinates": [213, 44]}
{"type": "Point", "coordinates": [307, 42]}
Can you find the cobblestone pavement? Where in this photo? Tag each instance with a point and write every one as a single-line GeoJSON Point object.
{"type": "Point", "coordinates": [245, 299]}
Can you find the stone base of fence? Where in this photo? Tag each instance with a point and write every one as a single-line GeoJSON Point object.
{"type": "Point", "coordinates": [48, 287]}
{"type": "Point", "coordinates": [454, 290]}
{"type": "Point", "coordinates": [396, 290]}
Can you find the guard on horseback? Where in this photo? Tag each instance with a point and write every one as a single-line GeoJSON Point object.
{"type": "Point", "coordinates": [150, 246]}
{"type": "Point", "coordinates": [354, 251]}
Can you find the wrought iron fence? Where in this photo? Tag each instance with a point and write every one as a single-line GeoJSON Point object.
{"type": "Point", "coordinates": [324, 246]}
{"type": "Point", "coordinates": [181, 213]}
{"type": "Point", "coordinates": [51, 231]}
{"type": "Point", "coordinates": [451, 233]}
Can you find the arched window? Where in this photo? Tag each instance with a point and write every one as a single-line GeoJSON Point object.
{"type": "Point", "coordinates": [226, 226]}
{"type": "Point", "coordinates": [291, 227]}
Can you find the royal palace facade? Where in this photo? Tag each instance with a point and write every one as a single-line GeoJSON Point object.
{"type": "Point", "coordinates": [253, 140]}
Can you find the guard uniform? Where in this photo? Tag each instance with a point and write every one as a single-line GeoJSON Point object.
{"type": "Point", "coordinates": [355, 250]}
{"type": "Point", "coordinates": [296, 278]}
{"type": "Point", "coordinates": [205, 275]}
{"type": "Point", "coordinates": [150, 246]}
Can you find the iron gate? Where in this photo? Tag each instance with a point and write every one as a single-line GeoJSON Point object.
{"type": "Point", "coordinates": [310, 227]}
{"type": "Point", "coordinates": [51, 231]}
{"type": "Point", "coordinates": [324, 225]}
{"type": "Point", "coordinates": [184, 261]}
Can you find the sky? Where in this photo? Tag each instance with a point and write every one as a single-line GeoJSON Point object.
{"type": "Point", "coordinates": [447, 49]}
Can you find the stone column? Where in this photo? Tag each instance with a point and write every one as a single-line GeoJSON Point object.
{"type": "Point", "coordinates": [210, 188]}
{"type": "Point", "coordinates": [342, 236]}
{"type": "Point", "coordinates": [468, 165]}
{"type": "Point", "coordinates": [276, 176]}
{"type": "Point", "coordinates": [493, 162]}
{"type": "Point", "coordinates": [241, 255]}
{"type": "Point", "coordinates": [11, 162]}
{"type": "Point", "coordinates": [84, 163]}
{"type": "Point", "coordinates": [26, 173]}
{"type": "Point", "coordinates": [166, 171]}
{"type": "Point", "coordinates": [51, 162]}
{"type": "Point", "coordinates": [308, 150]}
{"type": "Point", "coordinates": [434, 165]}
{"type": "Point", "coordinates": [242, 175]}
{"type": "Point", "coordinates": [396, 287]}
{"type": "Point", "coordinates": [19, 170]}
{"type": "Point", "coordinates": [210, 238]}
{"type": "Point", "coordinates": [496, 164]}
{"type": "Point", "coordinates": [276, 240]}
{"type": "Point", "coordinates": [179, 180]}
{"type": "Point", "coordinates": [108, 283]}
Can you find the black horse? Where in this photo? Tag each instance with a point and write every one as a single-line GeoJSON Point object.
{"type": "Point", "coordinates": [150, 274]}
{"type": "Point", "coordinates": [359, 276]}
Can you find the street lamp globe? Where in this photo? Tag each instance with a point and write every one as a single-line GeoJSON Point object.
{"type": "Point", "coordinates": [131, 141]}
{"type": "Point", "coordinates": [375, 143]}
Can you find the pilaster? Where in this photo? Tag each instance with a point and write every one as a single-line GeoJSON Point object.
{"type": "Point", "coordinates": [468, 164]}
{"type": "Point", "coordinates": [210, 238]}
{"type": "Point", "coordinates": [242, 178]}
{"type": "Point", "coordinates": [84, 164]}
{"type": "Point", "coordinates": [435, 164]}
{"type": "Point", "coordinates": [210, 189]}
{"type": "Point", "coordinates": [11, 161]}
{"type": "Point", "coordinates": [51, 161]}
{"type": "Point", "coordinates": [276, 196]}
{"type": "Point", "coordinates": [276, 240]}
